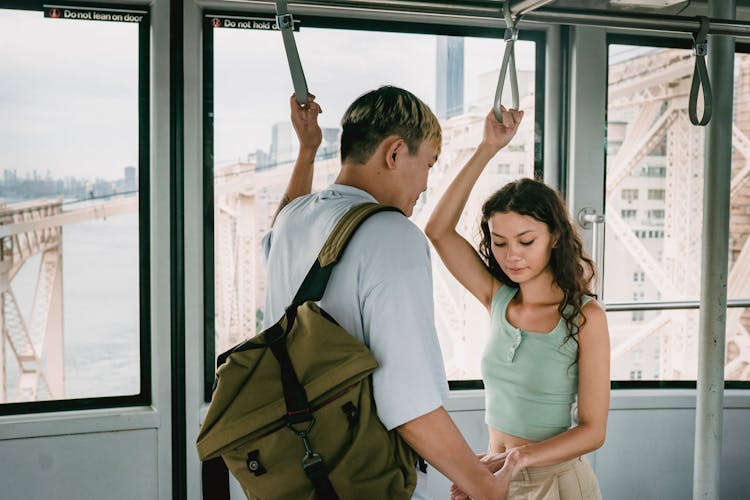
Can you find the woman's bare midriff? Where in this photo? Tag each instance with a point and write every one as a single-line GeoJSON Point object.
{"type": "Point", "coordinates": [500, 441]}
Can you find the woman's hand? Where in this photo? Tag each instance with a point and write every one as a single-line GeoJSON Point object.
{"type": "Point", "coordinates": [493, 461]}
{"type": "Point", "coordinates": [305, 122]}
{"type": "Point", "coordinates": [498, 134]}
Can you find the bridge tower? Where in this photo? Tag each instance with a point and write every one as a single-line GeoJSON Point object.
{"type": "Point", "coordinates": [35, 340]}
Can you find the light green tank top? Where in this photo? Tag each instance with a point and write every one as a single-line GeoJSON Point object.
{"type": "Point", "coordinates": [530, 379]}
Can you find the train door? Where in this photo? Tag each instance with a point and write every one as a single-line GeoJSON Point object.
{"type": "Point", "coordinates": [87, 235]}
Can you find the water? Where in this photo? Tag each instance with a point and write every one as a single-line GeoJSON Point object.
{"type": "Point", "coordinates": [100, 307]}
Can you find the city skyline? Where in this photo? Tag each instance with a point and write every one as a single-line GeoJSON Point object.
{"type": "Point", "coordinates": [33, 186]}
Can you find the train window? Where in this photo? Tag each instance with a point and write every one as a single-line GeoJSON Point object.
{"type": "Point", "coordinates": [248, 131]}
{"type": "Point", "coordinates": [654, 215]}
{"type": "Point", "coordinates": [73, 224]}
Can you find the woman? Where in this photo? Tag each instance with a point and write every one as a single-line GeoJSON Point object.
{"type": "Point", "coordinates": [548, 342]}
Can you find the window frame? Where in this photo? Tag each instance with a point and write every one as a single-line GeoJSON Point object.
{"type": "Point", "coordinates": [660, 305]}
{"type": "Point", "coordinates": [144, 396]}
{"type": "Point", "coordinates": [538, 36]}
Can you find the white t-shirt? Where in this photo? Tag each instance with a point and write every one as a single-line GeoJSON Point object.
{"type": "Point", "coordinates": [380, 291]}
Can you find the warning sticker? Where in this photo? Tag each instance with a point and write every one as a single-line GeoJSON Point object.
{"type": "Point", "coordinates": [246, 23]}
{"type": "Point", "coordinates": [86, 14]}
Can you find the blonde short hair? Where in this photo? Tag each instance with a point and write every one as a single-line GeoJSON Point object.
{"type": "Point", "coordinates": [384, 112]}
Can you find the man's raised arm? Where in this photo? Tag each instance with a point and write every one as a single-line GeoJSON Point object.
{"type": "Point", "coordinates": [305, 123]}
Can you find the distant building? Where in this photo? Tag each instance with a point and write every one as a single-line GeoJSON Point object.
{"type": "Point", "coordinates": [330, 146]}
{"type": "Point", "coordinates": [450, 76]}
{"type": "Point", "coordinates": [284, 143]}
{"type": "Point", "coordinates": [262, 159]}
{"type": "Point", "coordinates": [9, 177]}
{"type": "Point", "coordinates": [131, 180]}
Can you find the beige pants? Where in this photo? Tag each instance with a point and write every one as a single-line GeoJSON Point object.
{"type": "Point", "coordinates": [571, 480]}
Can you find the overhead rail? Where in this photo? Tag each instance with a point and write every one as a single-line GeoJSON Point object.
{"type": "Point", "coordinates": [520, 8]}
{"type": "Point", "coordinates": [489, 13]}
{"type": "Point", "coordinates": [645, 22]}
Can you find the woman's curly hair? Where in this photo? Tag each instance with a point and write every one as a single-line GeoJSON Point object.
{"type": "Point", "coordinates": [573, 271]}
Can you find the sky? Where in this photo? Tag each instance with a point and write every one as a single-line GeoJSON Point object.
{"type": "Point", "coordinates": [68, 89]}
{"type": "Point", "coordinates": [68, 96]}
{"type": "Point", "coordinates": [253, 84]}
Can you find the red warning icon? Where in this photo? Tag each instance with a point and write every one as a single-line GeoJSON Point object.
{"type": "Point", "coordinates": [54, 13]}
{"type": "Point", "coordinates": [216, 22]}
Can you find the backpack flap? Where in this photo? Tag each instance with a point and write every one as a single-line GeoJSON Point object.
{"type": "Point", "coordinates": [249, 402]}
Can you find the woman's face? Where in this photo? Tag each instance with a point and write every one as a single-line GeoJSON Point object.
{"type": "Point", "coordinates": [521, 245]}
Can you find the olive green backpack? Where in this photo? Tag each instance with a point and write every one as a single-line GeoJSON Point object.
{"type": "Point", "coordinates": [292, 413]}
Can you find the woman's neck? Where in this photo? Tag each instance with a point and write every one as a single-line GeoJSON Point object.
{"type": "Point", "coordinates": [541, 290]}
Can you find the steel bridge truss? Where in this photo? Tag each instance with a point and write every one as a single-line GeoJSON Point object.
{"type": "Point", "coordinates": [34, 341]}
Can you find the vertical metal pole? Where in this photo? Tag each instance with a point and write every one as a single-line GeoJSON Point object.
{"type": "Point", "coordinates": [552, 100]}
{"type": "Point", "coordinates": [717, 176]}
{"type": "Point", "coordinates": [588, 97]}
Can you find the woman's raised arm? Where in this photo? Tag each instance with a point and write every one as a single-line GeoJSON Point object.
{"type": "Point", "coordinates": [461, 259]}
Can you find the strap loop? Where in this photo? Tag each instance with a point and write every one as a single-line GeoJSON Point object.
{"type": "Point", "coordinates": [700, 76]}
{"type": "Point", "coordinates": [509, 61]}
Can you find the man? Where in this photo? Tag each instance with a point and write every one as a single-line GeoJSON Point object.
{"type": "Point", "coordinates": [381, 289]}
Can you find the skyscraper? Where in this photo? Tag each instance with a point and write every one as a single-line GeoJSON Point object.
{"type": "Point", "coordinates": [450, 76]}
{"type": "Point", "coordinates": [284, 143]}
{"type": "Point", "coordinates": [131, 182]}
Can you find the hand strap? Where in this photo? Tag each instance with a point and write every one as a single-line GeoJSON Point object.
{"type": "Point", "coordinates": [700, 76]}
{"type": "Point", "coordinates": [509, 61]}
{"type": "Point", "coordinates": [285, 22]}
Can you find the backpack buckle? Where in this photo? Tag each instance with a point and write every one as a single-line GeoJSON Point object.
{"type": "Point", "coordinates": [310, 462]}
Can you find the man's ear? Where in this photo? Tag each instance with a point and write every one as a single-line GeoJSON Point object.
{"type": "Point", "coordinates": [394, 147]}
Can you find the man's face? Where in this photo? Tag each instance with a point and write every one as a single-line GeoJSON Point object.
{"type": "Point", "coordinates": [412, 175]}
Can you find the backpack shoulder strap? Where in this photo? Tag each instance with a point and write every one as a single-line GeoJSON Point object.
{"type": "Point", "coordinates": [315, 282]}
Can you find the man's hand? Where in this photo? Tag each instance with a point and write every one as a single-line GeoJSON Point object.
{"type": "Point", "coordinates": [497, 134]}
{"type": "Point", "coordinates": [305, 122]}
{"type": "Point", "coordinates": [502, 465]}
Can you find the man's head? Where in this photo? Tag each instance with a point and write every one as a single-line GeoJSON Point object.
{"type": "Point", "coordinates": [389, 141]}
{"type": "Point", "coordinates": [385, 112]}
